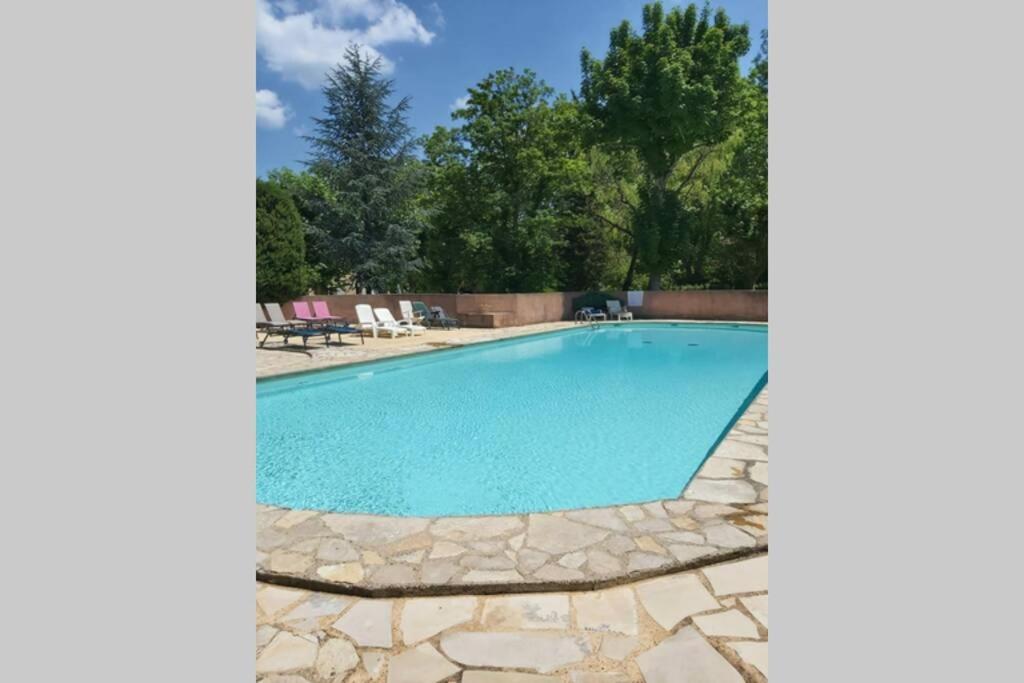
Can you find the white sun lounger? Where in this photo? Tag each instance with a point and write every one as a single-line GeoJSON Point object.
{"type": "Point", "coordinates": [616, 309]}
{"type": "Point", "coordinates": [387, 321]}
{"type": "Point", "coordinates": [366, 321]}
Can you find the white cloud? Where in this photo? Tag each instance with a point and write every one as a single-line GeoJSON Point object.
{"type": "Point", "coordinates": [459, 103]}
{"type": "Point", "coordinates": [439, 20]}
{"type": "Point", "coordinates": [303, 45]}
{"type": "Point", "coordinates": [270, 111]}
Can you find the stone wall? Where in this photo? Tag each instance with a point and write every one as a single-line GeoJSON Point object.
{"type": "Point", "coordinates": [506, 310]}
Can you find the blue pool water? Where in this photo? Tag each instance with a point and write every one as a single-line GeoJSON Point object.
{"type": "Point", "coordinates": [580, 418]}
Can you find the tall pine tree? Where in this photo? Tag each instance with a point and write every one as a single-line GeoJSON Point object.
{"type": "Point", "coordinates": [362, 148]}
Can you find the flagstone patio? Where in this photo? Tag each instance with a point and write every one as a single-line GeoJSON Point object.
{"type": "Point", "coordinates": [708, 625]}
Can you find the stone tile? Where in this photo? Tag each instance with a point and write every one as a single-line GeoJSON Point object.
{"type": "Point", "coordinates": [686, 656]}
{"type": "Point", "coordinates": [272, 599]}
{"type": "Point", "coordinates": [336, 659]}
{"type": "Point", "coordinates": [649, 545]}
{"type": "Point", "coordinates": [539, 652]}
{"type": "Point", "coordinates": [507, 677]}
{"type": "Point", "coordinates": [723, 468]}
{"type": "Point", "coordinates": [759, 472]}
{"type": "Point", "coordinates": [264, 634]}
{"type": "Point", "coordinates": [368, 623]}
{"type": "Point", "coordinates": [409, 544]}
{"type": "Point", "coordinates": [346, 572]}
{"type": "Point", "coordinates": [710, 510]}
{"type": "Point", "coordinates": [670, 599]}
{"type": "Point", "coordinates": [729, 624]}
{"type": "Point", "coordinates": [685, 523]}
{"type": "Point", "coordinates": [758, 606]}
{"type": "Point", "coordinates": [638, 561]}
{"type": "Point", "coordinates": [287, 652]}
{"type": "Point", "coordinates": [688, 553]}
{"type": "Point", "coordinates": [531, 560]}
{"type": "Point", "coordinates": [557, 535]}
{"type": "Point", "coordinates": [606, 518]}
{"type": "Point", "coordinates": [371, 558]}
{"type": "Point", "coordinates": [614, 646]}
{"type": "Point", "coordinates": [650, 526]}
{"type": "Point", "coordinates": [289, 562]}
{"type": "Point", "coordinates": [573, 560]}
{"type": "Point", "coordinates": [414, 557]}
{"type": "Point", "coordinates": [598, 677]}
{"type": "Point", "coordinates": [474, 528]}
{"type": "Point", "coordinates": [516, 542]}
{"type": "Point", "coordinates": [336, 550]}
{"type": "Point", "coordinates": [527, 611]}
{"type": "Point", "coordinates": [426, 617]}
{"type": "Point", "coordinates": [632, 513]}
{"type": "Point", "coordinates": [438, 571]}
{"type": "Point", "coordinates": [690, 537]}
{"type": "Point", "coordinates": [294, 517]}
{"type": "Point", "coordinates": [745, 576]}
{"type": "Point", "coordinates": [679, 507]}
{"type": "Point", "coordinates": [484, 576]}
{"type": "Point", "coordinates": [393, 574]}
{"type": "Point", "coordinates": [619, 545]}
{"type": "Point", "coordinates": [306, 615]}
{"type": "Point", "coordinates": [422, 664]}
{"type": "Point", "coordinates": [373, 662]}
{"type": "Point", "coordinates": [371, 530]}
{"type": "Point", "coordinates": [753, 653]}
{"type": "Point", "coordinates": [607, 610]}
{"type": "Point", "coordinates": [488, 547]}
{"type": "Point", "coordinates": [483, 562]}
{"type": "Point", "coordinates": [551, 572]}
{"type": "Point", "coordinates": [601, 563]}
{"type": "Point", "coordinates": [443, 549]}
{"type": "Point", "coordinates": [737, 450]}
{"type": "Point", "coordinates": [728, 536]}
{"type": "Point", "coordinates": [756, 439]}
{"type": "Point", "coordinates": [654, 509]}
{"type": "Point", "coordinates": [284, 678]}
{"type": "Point", "coordinates": [721, 491]}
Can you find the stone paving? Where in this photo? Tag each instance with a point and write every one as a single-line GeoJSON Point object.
{"type": "Point", "coordinates": [701, 626]}
{"type": "Point", "coordinates": [721, 514]}
{"type": "Point", "coordinates": [277, 359]}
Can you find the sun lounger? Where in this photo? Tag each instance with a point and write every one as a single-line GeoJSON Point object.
{"type": "Point", "coordinates": [424, 313]}
{"type": "Point", "coordinates": [277, 325]}
{"type": "Point", "coordinates": [328, 322]}
{"type": "Point", "coordinates": [409, 313]}
{"type": "Point", "coordinates": [616, 309]}
{"type": "Point", "coordinates": [367, 321]}
{"type": "Point", "coordinates": [387, 320]}
{"type": "Point", "coordinates": [443, 318]}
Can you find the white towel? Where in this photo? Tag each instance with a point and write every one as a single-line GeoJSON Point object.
{"type": "Point", "coordinates": [635, 298]}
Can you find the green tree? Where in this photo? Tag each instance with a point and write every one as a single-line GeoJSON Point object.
{"type": "Point", "coordinates": [362, 149]}
{"type": "Point", "coordinates": [316, 204]}
{"type": "Point", "coordinates": [671, 94]}
{"type": "Point", "coordinates": [280, 245]}
{"type": "Point", "coordinates": [505, 190]}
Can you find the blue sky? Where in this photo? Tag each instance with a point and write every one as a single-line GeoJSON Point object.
{"type": "Point", "coordinates": [433, 49]}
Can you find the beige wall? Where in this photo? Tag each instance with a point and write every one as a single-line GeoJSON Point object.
{"type": "Point", "coordinates": [503, 310]}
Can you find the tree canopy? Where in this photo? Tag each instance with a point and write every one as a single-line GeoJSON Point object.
{"type": "Point", "coordinates": [280, 245]}
{"type": "Point", "coordinates": [657, 169]}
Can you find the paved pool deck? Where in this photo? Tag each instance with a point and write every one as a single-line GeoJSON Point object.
{"type": "Point", "coordinates": [703, 626]}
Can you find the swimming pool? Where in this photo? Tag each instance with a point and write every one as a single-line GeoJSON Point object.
{"type": "Point", "coordinates": [571, 419]}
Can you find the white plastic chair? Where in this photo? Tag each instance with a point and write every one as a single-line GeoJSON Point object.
{"type": "Point", "coordinates": [386, 321]}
